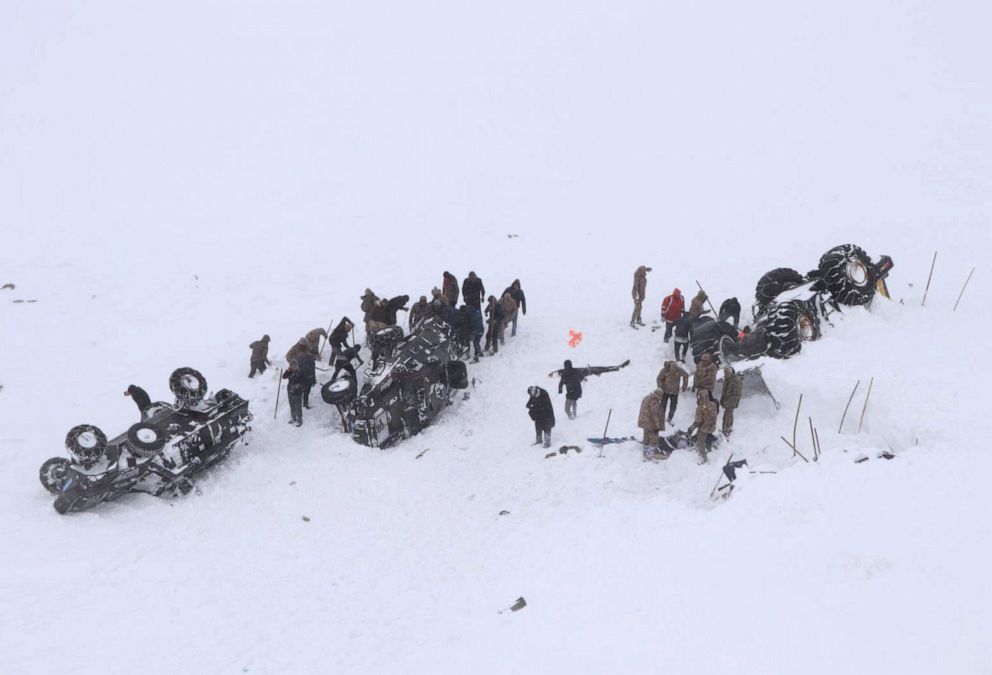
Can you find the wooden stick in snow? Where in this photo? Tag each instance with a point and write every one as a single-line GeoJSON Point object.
{"type": "Point", "coordinates": [278, 390]}
{"type": "Point", "coordinates": [320, 354]}
{"type": "Point", "coordinates": [812, 438]}
{"type": "Point", "coordinates": [923, 304]}
{"type": "Point", "coordinates": [605, 429]}
{"type": "Point", "coordinates": [962, 289]}
{"type": "Point", "coordinates": [844, 417]}
{"type": "Point", "coordinates": [784, 440]}
{"type": "Point", "coordinates": [715, 315]}
{"type": "Point", "coordinates": [816, 435]}
{"type": "Point", "coordinates": [865, 409]}
{"type": "Point", "coordinates": [795, 425]}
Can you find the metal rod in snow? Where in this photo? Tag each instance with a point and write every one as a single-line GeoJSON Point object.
{"type": "Point", "coordinates": [278, 390]}
{"type": "Point", "coordinates": [327, 339]}
{"type": "Point", "coordinates": [796, 452]}
{"type": "Point", "coordinates": [812, 438]}
{"type": "Point", "coordinates": [707, 300]}
{"type": "Point", "coordinates": [844, 416]}
{"type": "Point", "coordinates": [795, 425]}
{"type": "Point", "coordinates": [816, 435]}
{"type": "Point", "coordinates": [924, 303]}
{"type": "Point", "coordinates": [962, 289]}
{"type": "Point", "coordinates": [605, 429]}
{"type": "Point", "coordinates": [865, 409]}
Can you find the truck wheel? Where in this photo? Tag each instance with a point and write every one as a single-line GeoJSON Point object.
{"type": "Point", "coordinates": [788, 326]}
{"type": "Point", "coordinates": [848, 275]}
{"type": "Point", "coordinates": [775, 282]}
{"type": "Point", "coordinates": [86, 444]}
{"type": "Point", "coordinates": [188, 385]}
{"type": "Point", "coordinates": [53, 474]}
{"type": "Point", "coordinates": [339, 391]}
{"type": "Point", "coordinates": [145, 440]}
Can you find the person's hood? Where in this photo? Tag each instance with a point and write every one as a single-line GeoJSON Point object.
{"type": "Point", "coordinates": [642, 269]}
{"type": "Point", "coordinates": [701, 295]}
{"type": "Point", "coordinates": [705, 358]}
{"type": "Point", "coordinates": [471, 275]}
{"type": "Point", "coordinates": [677, 292]}
{"type": "Point", "coordinates": [532, 391]}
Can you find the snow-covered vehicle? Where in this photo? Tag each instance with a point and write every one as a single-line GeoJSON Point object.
{"type": "Point", "coordinates": [789, 306]}
{"type": "Point", "coordinates": [158, 455]}
{"type": "Point", "coordinates": [413, 379]}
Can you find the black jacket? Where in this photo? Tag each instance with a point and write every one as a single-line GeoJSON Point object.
{"type": "Point", "coordinates": [518, 295]}
{"type": "Point", "coordinates": [571, 381]}
{"type": "Point", "coordinates": [473, 291]}
{"type": "Point", "coordinates": [539, 407]}
{"type": "Point", "coordinates": [297, 383]}
{"type": "Point", "coordinates": [495, 313]}
{"type": "Point", "coordinates": [139, 396]}
{"type": "Point", "coordinates": [308, 369]}
{"type": "Point", "coordinates": [338, 339]}
{"type": "Point", "coordinates": [730, 307]}
{"type": "Point", "coordinates": [683, 327]}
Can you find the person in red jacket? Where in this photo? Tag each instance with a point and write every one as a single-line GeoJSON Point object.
{"type": "Point", "coordinates": [672, 309]}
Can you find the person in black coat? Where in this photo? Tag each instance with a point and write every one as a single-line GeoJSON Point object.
{"type": "Point", "coordinates": [308, 371]}
{"type": "Point", "coordinates": [571, 382]}
{"type": "Point", "coordinates": [473, 291]}
{"type": "Point", "coordinates": [542, 412]}
{"type": "Point", "coordinates": [139, 396]}
{"type": "Point", "coordinates": [517, 293]}
{"type": "Point", "coordinates": [295, 387]}
{"type": "Point", "coordinates": [683, 334]}
{"type": "Point", "coordinates": [338, 339]}
{"type": "Point", "coordinates": [494, 314]}
{"type": "Point", "coordinates": [731, 309]}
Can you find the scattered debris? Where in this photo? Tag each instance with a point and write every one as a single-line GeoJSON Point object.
{"type": "Point", "coordinates": [504, 513]}
{"type": "Point", "coordinates": [306, 519]}
{"type": "Point", "coordinates": [886, 455]}
{"type": "Point", "coordinates": [550, 455]}
{"type": "Point", "coordinates": [6, 286]}
{"type": "Point", "coordinates": [512, 236]}
{"type": "Point", "coordinates": [861, 458]}
{"type": "Point", "coordinates": [422, 453]}
{"type": "Point", "coordinates": [563, 450]}
{"type": "Point", "coordinates": [292, 482]}
{"type": "Point", "coordinates": [515, 607]}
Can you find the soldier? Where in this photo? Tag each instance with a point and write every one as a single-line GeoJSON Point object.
{"type": "Point", "coordinates": [494, 314]}
{"type": "Point", "coordinates": [696, 308]}
{"type": "Point", "coordinates": [139, 396]}
{"type": "Point", "coordinates": [652, 418]}
{"type": "Point", "coordinates": [369, 302]}
{"type": "Point", "coordinates": [301, 347]}
{"type": "Point", "coordinates": [672, 309]}
{"type": "Point", "coordinates": [294, 392]}
{"type": "Point", "coordinates": [704, 424]}
{"type": "Point", "coordinates": [669, 379]}
{"type": "Point", "coordinates": [542, 412]}
{"type": "Point", "coordinates": [517, 293]}
{"type": "Point", "coordinates": [683, 334]}
{"type": "Point", "coordinates": [639, 292]}
{"type": "Point", "coordinates": [313, 337]}
{"type": "Point", "coordinates": [437, 296]}
{"type": "Point", "coordinates": [259, 356]}
{"type": "Point", "coordinates": [730, 398]}
{"type": "Point", "coordinates": [473, 291]}
{"type": "Point", "coordinates": [419, 311]}
{"type": "Point", "coordinates": [704, 379]}
{"type": "Point", "coordinates": [509, 314]}
{"type": "Point", "coordinates": [731, 309]}
{"type": "Point", "coordinates": [449, 287]}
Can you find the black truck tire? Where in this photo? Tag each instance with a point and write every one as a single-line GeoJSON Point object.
{"type": "Point", "coordinates": [848, 275]}
{"type": "Point", "coordinates": [53, 474]}
{"type": "Point", "coordinates": [145, 440]}
{"type": "Point", "coordinates": [188, 385]}
{"type": "Point", "coordinates": [86, 444]}
{"type": "Point", "coordinates": [339, 391]}
{"type": "Point", "coordinates": [775, 282]}
{"type": "Point", "coordinates": [788, 326]}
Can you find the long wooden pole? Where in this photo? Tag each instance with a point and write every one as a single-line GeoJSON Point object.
{"type": "Point", "coordinates": [816, 435]}
{"type": "Point", "coordinates": [812, 438]}
{"type": "Point", "coordinates": [708, 300]}
{"type": "Point", "coordinates": [605, 429]}
{"type": "Point", "coordinates": [796, 452]}
{"type": "Point", "coordinates": [923, 304]}
{"type": "Point", "coordinates": [795, 425]}
{"type": "Point", "coordinates": [865, 409]}
{"type": "Point", "coordinates": [962, 289]}
{"type": "Point", "coordinates": [278, 390]}
{"type": "Point", "coordinates": [320, 354]}
{"type": "Point", "coordinates": [844, 416]}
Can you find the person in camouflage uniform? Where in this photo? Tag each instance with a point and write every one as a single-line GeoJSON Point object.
{"type": "Point", "coordinates": [639, 292]}
{"type": "Point", "coordinates": [369, 303]}
{"type": "Point", "coordinates": [301, 347]}
{"type": "Point", "coordinates": [419, 311]}
{"type": "Point", "coordinates": [730, 398]}
{"type": "Point", "coordinates": [509, 314]}
{"type": "Point", "coordinates": [704, 379]}
{"type": "Point", "coordinates": [652, 417]}
{"type": "Point", "coordinates": [696, 308]}
{"type": "Point", "coordinates": [313, 337]}
{"type": "Point", "coordinates": [669, 380]}
{"type": "Point", "coordinates": [704, 423]}
{"type": "Point", "coordinates": [259, 356]}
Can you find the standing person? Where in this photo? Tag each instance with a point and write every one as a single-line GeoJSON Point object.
{"type": "Point", "coordinates": [449, 287]}
{"type": "Point", "coordinates": [683, 334]}
{"type": "Point", "coordinates": [652, 418]}
{"type": "Point", "coordinates": [517, 293]}
{"type": "Point", "coordinates": [639, 292]}
{"type": "Point", "coordinates": [494, 318]}
{"type": "Point", "coordinates": [704, 379]}
{"type": "Point", "coordinates": [509, 314]}
{"type": "Point", "coordinates": [476, 328]}
{"type": "Point", "coordinates": [139, 396]}
{"type": "Point", "coordinates": [669, 379]}
{"type": "Point", "coordinates": [704, 423]}
{"type": "Point", "coordinates": [571, 382]}
{"type": "Point", "coordinates": [419, 311]}
{"type": "Point", "coordinates": [301, 347]}
{"type": "Point", "coordinates": [341, 351]}
{"type": "Point", "coordinates": [672, 309]}
{"type": "Point", "coordinates": [542, 412]}
{"type": "Point", "coordinates": [473, 291]}
{"type": "Point", "coordinates": [308, 375]}
{"type": "Point", "coordinates": [369, 303]}
{"type": "Point", "coordinates": [696, 308]}
{"type": "Point", "coordinates": [730, 398]}
{"type": "Point", "coordinates": [437, 296]}
{"type": "Point", "coordinates": [294, 392]}
{"type": "Point", "coordinates": [731, 309]}
{"type": "Point", "coordinates": [313, 337]}
{"type": "Point", "coordinates": [259, 356]}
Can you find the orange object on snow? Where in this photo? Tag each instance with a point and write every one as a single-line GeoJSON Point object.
{"type": "Point", "coordinates": [574, 338]}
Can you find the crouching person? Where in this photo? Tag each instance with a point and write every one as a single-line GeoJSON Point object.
{"type": "Point", "coordinates": [652, 420]}
{"type": "Point", "coordinates": [543, 413]}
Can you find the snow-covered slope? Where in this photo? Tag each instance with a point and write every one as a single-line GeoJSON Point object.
{"type": "Point", "coordinates": [176, 181]}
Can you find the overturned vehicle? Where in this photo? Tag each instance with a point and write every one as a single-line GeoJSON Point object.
{"type": "Point", "coordinates": [159, 455]}
{"type": "Point", "coordinates": [789, 307]}
{"type": "Point", "coordinates": [412, 379]}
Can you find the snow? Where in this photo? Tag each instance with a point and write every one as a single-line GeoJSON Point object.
{"type": "Point", "coordinates": [178, 179]}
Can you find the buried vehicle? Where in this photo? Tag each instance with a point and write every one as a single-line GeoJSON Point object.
{"type": "Point", "coordinates": [158, 455]}
{"type": "Point", "coordinates": [790, 307]}
{"type": "Point", "coordinates": [413, 378]}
